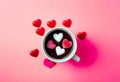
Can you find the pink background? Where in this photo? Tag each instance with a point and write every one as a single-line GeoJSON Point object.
{"type": "Point", "coordinates": [100, 52]}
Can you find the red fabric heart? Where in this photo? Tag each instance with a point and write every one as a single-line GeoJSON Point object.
{"type": "Point", "coordinates": [40, 31]}
{"type": "Point", "coordinates": [67, 23]}
{"type": "Point", "coordinates": [51, 45]}
{"type": "Point", "coordinates": [66, 43]}
{"type": "Point", "coordinates": [36, 23]}
{"type": "Point", "coordinates": [34, 52]}
{"type": "Point", "coordinates": [51, 23]}
{"type": "Point", "coordinates": [82, 35]}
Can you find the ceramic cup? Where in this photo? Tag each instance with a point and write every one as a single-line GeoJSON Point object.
{"type": "Point", "coordinates": [71, 54]}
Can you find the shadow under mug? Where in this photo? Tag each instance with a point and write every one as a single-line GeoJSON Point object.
{"type": "Point", "coordinates": [71, 54]}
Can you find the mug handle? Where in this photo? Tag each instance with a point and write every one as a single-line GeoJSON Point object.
{"type": "Point", "coordinates": [76, 58]}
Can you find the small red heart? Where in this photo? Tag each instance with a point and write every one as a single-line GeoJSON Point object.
{"type": "Point", "coordinates": [40, 31]}
{"type": "Point", "coordinates": [82, 35]}
{"type": "Point", "coordinates": [34, 52]}
{"type": "Point", "coordinates": [51, 23]}
{"type": "Point", "coordinates": [36, 23]}
{"type": "Point", "coordinates": [67, 23]}
{"type": "Point", "coordinates": [66, 43]}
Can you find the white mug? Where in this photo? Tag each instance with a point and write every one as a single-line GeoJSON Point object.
{"type": "Point", "coordinates": [71, 54]}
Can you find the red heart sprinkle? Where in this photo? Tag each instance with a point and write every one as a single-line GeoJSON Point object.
{"type": "Point", "coordinates": [36, 23]}
{"type": "Point", "coordinates": [67, 23]}
{"type": "Point", "coordinates": [51, 23]}
{"type": "Point", "coordinates": [66, 43]}
{"type": "Point", "coordinates": [82, 35]}
{"type": "Point", "coordinates": [34, 52]}
{"type": "Point", "coordinates": [40, 31]}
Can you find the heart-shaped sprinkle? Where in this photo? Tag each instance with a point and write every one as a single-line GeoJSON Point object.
{"type": "Point", "coordinates": [58, 37]}
{"type": "Point", "coordinates": [59, 51]}
{"type": "Point", "coordinates": [34, 52]}
{"type": "Point", "coordinates": [36, 23]}
{"type": "Point", "coordinates": [51, 23]}
{"type": "Point", "coordinates": [67, 23]}
{"type": "Point", "coordinates": [40, 31]}
{"type": "Point", "coordinates": [49, 63]}
{"type": "Point", "coordinates": [66, 43]}
{"type": "Point", "coordinates": [82, 35]}
{"type": "Point", "coordinates": [51, 45]}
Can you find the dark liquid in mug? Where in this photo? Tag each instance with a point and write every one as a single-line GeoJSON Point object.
{"type": "Point", "coordinates": [52, 52]}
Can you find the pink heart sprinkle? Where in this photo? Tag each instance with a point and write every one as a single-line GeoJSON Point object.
{"type": "Point", "coordinates": [49, 63]}
{"type": "Point", "coordinates": [51, 45]}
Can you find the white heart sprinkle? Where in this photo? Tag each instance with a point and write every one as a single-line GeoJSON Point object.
{"type": "Point", "coordinates": [59, 51]}
{"type": "Point", "coordinates": [58, 37]}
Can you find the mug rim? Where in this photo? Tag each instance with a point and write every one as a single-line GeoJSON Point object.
{"type": "Point", "coordinates": [72, 53]}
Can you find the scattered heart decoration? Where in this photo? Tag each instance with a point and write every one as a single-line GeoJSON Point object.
{"type": "Point", "coordinates": [51, 44]}
{"type": "Point", "coordinates": [67, 23]}
{"type": "Point", "coordinates": [49, 63]}
{"type": "Point", "coordinates": [36, 23]}
{"type": "Point", "coordinates": [58, 37]}
{"type": "Point", "coordinates": [59, 51]}
{"type": "Point", "coordinates": [40, 31]}
{"type": "Point", "coordinates": [34, 52]}
{"type": "Point", "coordinates": [51, 23]}
{"type": "Point", "coordinates": [66, 43]}
{"type": "Point", "coordinates": [82, 35]}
